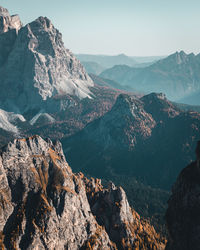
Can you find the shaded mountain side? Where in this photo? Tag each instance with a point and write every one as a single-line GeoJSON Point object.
{"type": "Point", "coordinates": [177, 76]}
{"type": "Point", "coordinates": [70, 211]}
{"type": "Point", "coordinates": [142, 145]}
{"type": "Point", "coordinates": [144, 138]}
{"type": "Point", "coordinates": [182, 215]}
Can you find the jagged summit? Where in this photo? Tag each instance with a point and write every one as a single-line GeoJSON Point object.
{"type": "Point", "coordinates": [159, 106]}
{"type": "Point", "coordinates": [8, 22]}
{"type": "Point", "coordinates": [37, 67]}
{"type": "Point", "coordinates": [4, 11]}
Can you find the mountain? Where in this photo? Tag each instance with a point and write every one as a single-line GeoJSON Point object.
{"type": "Point", "coordinates": [183, 208]}
{"type": "Point", "coordinates": [49, 90]}
{"type": "Point", "coordinates": [38, 68]}
{"type": "Point", "coordinates": [107, 83]}
{"type": "Point", "coordinates": [9, 22]}
{"type": "Point", "coordinates": [141, 144]}
{"type": "Point", "coordinates": [70, 211]}
{"type": "Point", "coordinates": [93, 67]}
{"type": "Point", "coordinates": [177, 76]}
{"type": "Point", "coordinates": [107, 61]}
{"type": "Point", "coordinates": [133, 139]}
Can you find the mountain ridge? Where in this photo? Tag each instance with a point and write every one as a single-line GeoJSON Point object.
{"type": "Point", "coordinates": [67, 206]}
{"type": "Point", "coordinates": [176, 75]}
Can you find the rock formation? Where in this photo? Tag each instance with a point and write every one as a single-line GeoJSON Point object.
{"type": "Point", "coordinates": [183, 219]}
{"type": "Point", "coordinates": [36, 66]}
{"type": "Point", "coordinates": [8, 22]}
{"type": "Point", "coordinates": [43, 205]}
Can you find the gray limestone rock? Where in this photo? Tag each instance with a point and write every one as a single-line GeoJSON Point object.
{"type": "Point", "coordinates": [8, 22]}
{"type": "Point", "coordinates": [37, 67]}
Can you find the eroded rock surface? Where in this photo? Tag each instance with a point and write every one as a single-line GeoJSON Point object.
{"type": "Point", "coordinates": [8, 22]}
{"type": "Point", "coordinates": [44, 205]}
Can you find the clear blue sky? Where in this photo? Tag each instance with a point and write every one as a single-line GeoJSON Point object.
{"type": "Point", "coordinates": [133, 27]}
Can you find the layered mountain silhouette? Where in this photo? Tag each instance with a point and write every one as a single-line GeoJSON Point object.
{"type": "Point", "coordinates": [143, 137]}
{"type": "Point", "coordinates": [177, 76]}
{"type": "Point", "coordinates": [107, 61]}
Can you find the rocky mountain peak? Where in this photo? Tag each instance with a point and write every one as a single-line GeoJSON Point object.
{"type": "Point", "coordinates": [159, 106]}
{"type": "Point", "coordinates": [43, 205]}
{"type": "Point", "coordinates": [126, 118]}
{"type": "Point", "coordinates": [4, 11]}
{"type": "Point", "coordinates": [38, 67]}
{"type": "Point", "coordinates": [125, 101]}
{"type": "Point", "coordinates": [8, 22]}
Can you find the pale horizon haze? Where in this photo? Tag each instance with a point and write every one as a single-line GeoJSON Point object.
{"type": "Point", "coordinates": [110, 27]}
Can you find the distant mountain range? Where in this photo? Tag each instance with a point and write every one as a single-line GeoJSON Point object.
{"type": "Point", "coordinates": [178, 76]}
{"type": "Point", "coordinates": [106, 61]}
{"type": "Point", "coordinates": [93, 67]}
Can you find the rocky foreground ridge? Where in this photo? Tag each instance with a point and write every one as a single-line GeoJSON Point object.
{"type": "Point", "coordinates": [43, 205]}
{"type": "Point", "coordinates": [183, 219]}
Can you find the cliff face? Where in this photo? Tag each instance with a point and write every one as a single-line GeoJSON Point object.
{"type": "Point", "coordinates": [182, 215]}
{"type": "Point", "coordinates": [43, 205]}
{"type": "Point", "coordinates": [36, 66]}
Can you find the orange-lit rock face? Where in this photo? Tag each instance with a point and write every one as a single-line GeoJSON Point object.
{"type": "Point", "coordinates": [123, 225]}
{"type": "Point", "coordinates": [44, 205]}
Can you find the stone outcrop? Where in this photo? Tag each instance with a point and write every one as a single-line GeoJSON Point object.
{"type": "Point", "coordinates": [8, 22]}
{"type": "Point", "coordinates": [183, 219]}
{"type": "Point", "coordinates": [43, 205]}
{"type": "Point", "coordinates": [124, 225]}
